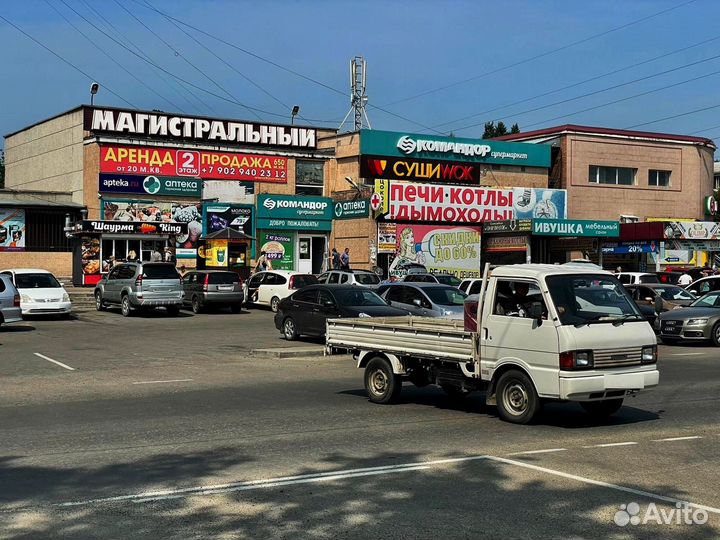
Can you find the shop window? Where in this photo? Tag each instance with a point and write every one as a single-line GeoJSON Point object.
{"type": "Point", "coordinates": [621, 176]}
{"type": "Point", "coordinates": [659, 178]}
{"type": "Point", "coordinates": [309, 177]}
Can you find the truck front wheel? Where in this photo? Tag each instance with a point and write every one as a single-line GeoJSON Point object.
{"type": "Point", "coordinates": [381, 384]}
{"type": "Point", "coordinates": [517, 400]}
{"type": "Point", "coordinates": [602, 408]}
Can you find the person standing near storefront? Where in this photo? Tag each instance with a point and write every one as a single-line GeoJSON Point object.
{"type": "Point", "coordinates": [685, 280]}
{"type": "Point", "coordinates": [335, 259]}
{"type": "Point", "coordinates": [345, 260]}
{"type": "Point", "coordinates": [156, 256]}
{"type": "Point", "coordinates": [263, 263]}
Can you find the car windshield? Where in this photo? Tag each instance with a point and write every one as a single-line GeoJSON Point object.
{"type": "Point", "coordinates": [358, 297]}
{"type": "Point", "coordinates": [674, 293]}
{"type": "Point", "coordinates": [590, 298]}
{"type": "Point", "coordinates": [448, 280]}
{"type": "Point", "coordinates": [445, 296]}
{"type": "Point", "coordinates": [36, 281]}
{"type": "Point", "coordinates": [709, 300]}
{"type": "Point", "coordinates": [223, 278]}
{"type": "Point", "coordinates": [367, 278]}
{"type": "Point", "coordinates": [160, 271]}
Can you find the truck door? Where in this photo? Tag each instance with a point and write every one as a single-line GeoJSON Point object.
{"type": "Point", "coordinates": [509, 335]}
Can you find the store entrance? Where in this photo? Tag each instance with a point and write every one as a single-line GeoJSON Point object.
{"type": "Point", "coordinates": [312, 254]}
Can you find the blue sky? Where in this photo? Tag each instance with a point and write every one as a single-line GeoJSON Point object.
{"type": "Point", "coordinates": [411, 47]}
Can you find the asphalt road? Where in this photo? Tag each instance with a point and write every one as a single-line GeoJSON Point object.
{"type": "Point", "coordinates": [155, 427]}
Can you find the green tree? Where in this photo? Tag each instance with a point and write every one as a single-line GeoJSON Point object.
{"type": "Point", "coordinates": [498, 130]}
{"type": "Point", "coordinates": [515, 129]}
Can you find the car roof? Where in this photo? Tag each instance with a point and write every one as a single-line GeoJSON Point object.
{"type": "Point", "coordinates": [336, 287]}
{"type": "Point", "coordinates": [284, 272]}
{"type": "Point", "coordinates": [543, 270]}
{"type": "Point", "coordinates": [27, 271]}
{"type": "Point", "coordinates": [421, 285]}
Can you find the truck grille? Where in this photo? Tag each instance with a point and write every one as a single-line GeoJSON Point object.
{"type": "Point", "coordinates": [626, 356]}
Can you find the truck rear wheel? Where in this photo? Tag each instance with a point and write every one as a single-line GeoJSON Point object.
{"type": "Point", "coordinates": [602, 408]}
{"type": "Point", "coordinates": [517, 400]}
{"type": "Point", "coordinates": [381, 384]}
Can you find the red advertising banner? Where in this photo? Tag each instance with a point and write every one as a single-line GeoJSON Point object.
{"type": "Point", "coordinates": [193, 163]}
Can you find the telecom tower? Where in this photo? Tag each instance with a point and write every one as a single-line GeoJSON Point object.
{"type": "Point", "coordinates": [358, 99]}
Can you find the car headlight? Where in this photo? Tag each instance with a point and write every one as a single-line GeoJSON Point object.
{"type": "Point", "coordinates": [25, 298]}
{"type": "Point", "coordinates": [363, 315]}
{"type": "Point", "coordinates": [66, 297]}
{"type": "Point", "coordinates": [697, 321]}
{"type": "Point", "coordinates": [649, 355]}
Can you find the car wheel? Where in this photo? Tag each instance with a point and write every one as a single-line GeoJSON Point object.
{"type": "Point", "coordinates": [381, 384]}
{"type": "Point", "coordinates": [274, 303]}
{"type": "Point", "coordinates": [125, 307]}
{"type": "Point", "coordinates": [716, 334]}
{"type": "Point", "coordinates": [196, 305]}
{"type": "Point", "coordinates": [517, 400]}
{"type": "Point", "coordinates": [99, 304]}
{"type": "Point", "coordinates": [172, 311]}
{"type": "Point", "coordinates": [289, 329]}
{"type": "Point", "coordinates": [237, 308]}
{"type": "Point", "coordinates": [602, 408]}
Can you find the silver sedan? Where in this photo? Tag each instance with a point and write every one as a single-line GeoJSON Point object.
{"type": "Point", "coordinates": [700, 321]}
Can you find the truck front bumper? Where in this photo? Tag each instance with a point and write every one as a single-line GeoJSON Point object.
{"type": "Point", "coordinates": [606, 385]}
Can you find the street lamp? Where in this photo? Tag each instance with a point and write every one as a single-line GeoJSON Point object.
{"type": "Point", "coordinates": [94, 87]}
{"type": "Point", "coordinates": [295, 112]}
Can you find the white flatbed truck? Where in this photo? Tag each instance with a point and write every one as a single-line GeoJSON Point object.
{"type": "Point", "coordinates": [580, 338]}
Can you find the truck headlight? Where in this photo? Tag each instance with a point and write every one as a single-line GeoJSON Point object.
{"type": "Point", "coordinates": [583, 359]}
{"type": "Point", "coordinates": [697, 321]}
{"type": "Point", "coordinates": [576, 360]}
{"type": "Point", "coordinates": [649, 355]}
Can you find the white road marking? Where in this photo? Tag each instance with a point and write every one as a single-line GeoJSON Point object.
{"type": "Point", "coordinates": [160, 382]}
{"type": "Point", "coordinates": [53, 361]}
{"type": "Point", "coordinates": [687, 354]}
{"type": "Point", "coordinates": [677, 438]}
{"type": "Point", "coordinates": [608, 445]}
{"type": "Point", "coordinates": [585, 480]}
{"type": "Point", "coordinates": [547, 451]}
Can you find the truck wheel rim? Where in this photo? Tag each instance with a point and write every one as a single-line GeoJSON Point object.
{"type": "Point", "coordinates": [378, 382]}
{"type": "Point", "coordinates": [515, 399]}
{"type": "Point", "coordinates": [289, 328]}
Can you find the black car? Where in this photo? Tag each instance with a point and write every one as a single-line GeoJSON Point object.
{"type": "Point", "coordinates": [305, 312]}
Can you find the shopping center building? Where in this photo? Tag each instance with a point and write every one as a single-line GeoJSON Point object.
{"type": "Point", "coordinates": [133, 182]}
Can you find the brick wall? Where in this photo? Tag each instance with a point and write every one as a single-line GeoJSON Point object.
{"type": "Point", "coordinates": [59, 263]}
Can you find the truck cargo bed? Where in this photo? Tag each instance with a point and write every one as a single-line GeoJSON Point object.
{"type": "Point", "coordinates": [426, 337]}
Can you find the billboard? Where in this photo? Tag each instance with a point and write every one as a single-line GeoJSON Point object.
{"type": "Point", "coordinates": [173, 186]}
{"type": "Point", "coordinates": [12, 229]}
{"type": "Point", "coordinates": [228, 216]}
{"type": "Point", "coordinates": [441, 248]}
{"type": "Point", "coordinates": [197, 164]}
{"type": "Point", "coordinates": [405, 201]}
{"type": "Point", "coordinates": [280, 250]}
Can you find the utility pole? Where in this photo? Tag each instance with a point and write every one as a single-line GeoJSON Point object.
{"type": "Point", "coordinates": [358, 98]}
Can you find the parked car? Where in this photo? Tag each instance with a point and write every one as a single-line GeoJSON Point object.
{"type": "Point", "coordinates": [364, 278]}
{"type": "Point", "coordinates": [445, 279]}
{"type": "Point", "coordinates": [305, 311]}
{"type": "Point", "coordinates": [698, 322]}
{"type": "Point", "coordinates": [634, 278]}
{"type": "Point", "coordinates": [40, 292]}
{"type": "Point", "coordinates": [269, 287]}
{"type": "Point", "coordinates": [140, 285]}
{"type": "Point", "coordinates": [425, 299]}
{"type": "Point", "coordinates": [670, 296]}
{"type": "Point", "coordinates": [213, 288]}
{"type": "Point", "coordinates": [704, 285]}
{"type": "Point", "coordinates": [670, 278]}
{"type": "Point", "coordinates": [10, 311]}
{"type": "Point", "coordinates": [403, 268]}
{"type": "Point", "coordinates": [470, 285]}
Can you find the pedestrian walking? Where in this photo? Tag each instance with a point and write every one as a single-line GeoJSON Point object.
{"type": "Point", "coordinates": [685, 280]}
{"type": "Point", "coordinates": [335, 258]}
{"type": "Point", "coordinates": [345, 260]}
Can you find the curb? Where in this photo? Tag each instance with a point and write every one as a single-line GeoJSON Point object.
{"type": "Point", "coordinates": [290, 352]}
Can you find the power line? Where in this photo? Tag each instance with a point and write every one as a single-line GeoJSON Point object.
{"type": "Point", "coordinates": [537, 56]}
{"type": "Point", "coordinates": [607, 89]}
{"type": "Point", "coordinates": [68, 62]}
{"type": "Point", "coordinates": [166, 80]}
{"type": "Point", "coordinates": [579, 83]}
{"type": "Point", "coordinates": [704, 130]}
{"type": "Point", "coordinates": [284, 68]}
{"type": "Point", "coordinates": [674, 116]}
{"type": "Point", "coordinates": [138, 79]}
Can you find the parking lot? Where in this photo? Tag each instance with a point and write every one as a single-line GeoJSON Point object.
{"type": "Point", "coordinates": [212, 425]}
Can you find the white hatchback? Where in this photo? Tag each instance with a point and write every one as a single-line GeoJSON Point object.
{"type": "Point", "coordinates": [40, 292]}
{"type": "Point", "coordinates": [269, 287]}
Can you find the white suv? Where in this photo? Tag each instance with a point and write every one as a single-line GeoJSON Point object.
{"type": "Point", "coordinates": [636, 278]}
{"type": "Point", "coordinates": [269, 287]}
{"type": "Point", "coordinates": [363, 278]}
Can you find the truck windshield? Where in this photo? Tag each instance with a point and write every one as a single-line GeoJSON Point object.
{"type": "Point", "coordinates": [589, 298]}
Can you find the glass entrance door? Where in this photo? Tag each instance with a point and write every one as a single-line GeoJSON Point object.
{"type": "Point", "coordinates": [312, 254]}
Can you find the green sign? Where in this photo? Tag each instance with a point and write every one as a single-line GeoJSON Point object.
{"type": "Point", "coordinates": [410, 145]}
{"type": "Point", "coordinates": [280, 250]}
{"type": "Point", "coordinates": [574, 227]}
{"type": "Point", "coordinates": [294, 207]}
{"type": "Point", "coordinates": [293, 224]}
{"type": "Point", "coordinates": [351, 209]}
